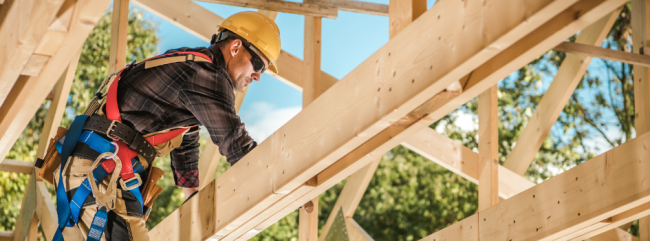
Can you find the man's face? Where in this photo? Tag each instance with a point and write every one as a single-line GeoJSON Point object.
{"type": "Point", "coordinates": [240, 68]}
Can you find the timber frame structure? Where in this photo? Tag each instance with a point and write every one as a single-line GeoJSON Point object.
{"type": "Point", "coordinates": [435, 61]}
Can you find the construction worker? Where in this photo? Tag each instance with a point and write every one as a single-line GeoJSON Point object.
{"type": "Point", "coordinates": [106, 156]}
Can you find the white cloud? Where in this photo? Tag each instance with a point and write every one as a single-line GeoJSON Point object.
{"type": "Point", "coordinates": [262, 119]}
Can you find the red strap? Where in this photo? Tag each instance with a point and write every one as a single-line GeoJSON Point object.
{"type": "Point", "coordinates": [113, 113]}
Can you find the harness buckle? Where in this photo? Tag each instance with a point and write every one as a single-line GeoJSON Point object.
{"type": "Point", "coordinates": [124, 185]}
{"type": "Point", "coordinates": [107, 199]}
{"type": "Point", "coordinates": [110, 129]}
{"type": "Point", "coordinates": [188, 59]}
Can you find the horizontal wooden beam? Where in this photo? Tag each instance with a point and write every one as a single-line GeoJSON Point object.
{"type": "Point", "coordinates": [362, 7]}
{"type": "Point", "coordinates": [191, 17]}
{"type": "Point", "coordinates": [9, 165]}
{"type": "Point", "coordinates": [603, 53]}
{"type": "Point", "coordinates": [616, 234]}
{"type": "Point", "coordinates": [316, 10]}
{"type": "Point", "coordinates": [6, 235]}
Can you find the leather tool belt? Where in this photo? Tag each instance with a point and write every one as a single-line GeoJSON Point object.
{"type": "Point", "coordinates": [117, 131]}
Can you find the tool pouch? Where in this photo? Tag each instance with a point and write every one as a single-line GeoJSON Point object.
{"type": "Point", "coordinates": [151, 190]}
{"type": "Point", "coordinates": [52, 159]}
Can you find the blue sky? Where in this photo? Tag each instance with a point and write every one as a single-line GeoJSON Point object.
{"type": "Point", "coordinates": [346, 42]}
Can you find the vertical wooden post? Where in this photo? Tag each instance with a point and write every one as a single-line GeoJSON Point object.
{"type": "Point", "coordinates": [640, 31]}
{"type": "Point", "coordinates": [119, 26]}
{"type": "Point", "coordinates": [308, 222]}
{"type": "Point", "coordinates": [402, 12]}
{"type": "Point", "coordinates": [488, 192]}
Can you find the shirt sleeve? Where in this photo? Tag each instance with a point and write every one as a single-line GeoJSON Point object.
{"type": "Point", "coordinates": [209, 96]}
{"type": "Point", "coordinates": [185, 161]}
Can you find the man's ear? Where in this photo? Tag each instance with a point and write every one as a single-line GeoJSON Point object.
{"type": "Point", "coordinates": [235, 47]}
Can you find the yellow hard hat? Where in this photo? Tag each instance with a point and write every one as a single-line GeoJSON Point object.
{"type": "Point", "coordinates": [259, 30]}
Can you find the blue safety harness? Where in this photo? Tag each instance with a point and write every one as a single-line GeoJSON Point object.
{"type": "Point", "coordinates": [69, 214]}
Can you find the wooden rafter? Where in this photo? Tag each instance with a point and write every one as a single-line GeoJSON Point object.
{"type": "Point", "coordinates": [27, 95]}
{"type": "Point", "coordinates": [23, 26]}
{"type": "Point", "coordinates": [603, 53]}
{"type": "Point", "coordinates": [308, 9]}
{"type": "Point", "coordinates": [119, 28]}
{"type": "Point", "coordinates": [353, 98]}
{"type": "Point", "coordinates": [9, 165]}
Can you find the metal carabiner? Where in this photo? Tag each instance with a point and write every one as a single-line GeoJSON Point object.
{"type": "Point", "coordinates": [108, 198]}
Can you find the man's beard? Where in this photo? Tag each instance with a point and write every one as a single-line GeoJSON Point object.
{"type": "Point", "coordinates": [239, 85]}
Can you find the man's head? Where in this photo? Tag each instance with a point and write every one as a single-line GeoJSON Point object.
{"type": "Point", "coordinates": [250, 43]}
{"type": "Point", "coordinates": [244, 63]}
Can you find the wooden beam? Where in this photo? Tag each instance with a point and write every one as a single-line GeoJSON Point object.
{"type": "Point", "coordinates": [641, 30]}
{"type": "Point", "coordinates": [27, 21]}
{"type": "Point", "coordinates": [119, 27]}
{"type": "Point", "coordinates": [551, 210]}
{"type": "Point", "coordinates": [27, 211]}
{"type": "Point", "coordinates": [9, 165]}
{"type": "Point", "coordinates": [191, 17]}
{"type": "Point", "coordinates": [57, 106]}
{"type": "Point", "coordinates": [308, 9]}
{"type": "Point", "coordinates": [402, 12]}
{"type": "Point", "coordinates": [362, 7]}
{"type": "Point", "coordinates": [332, 142]}
{"type": "Point", "coordinates": [615, 234]}
{"type": "Point", "coordinates": [351, 195]}
{"type": "Point", "coordinates": [488, 149]}
{"type": "Point", "coordinates": [466, 230]}
{"type": "Point", "coordinates": [6, 235]}
{"type": "Point", "coordinates": [567, 78]}
{"type": "Point", "coordinates": [603, 53]}
{"type": "Point", "coordinates": [308, 222]}
{"type": "Point", "coordinates": [27, 95]}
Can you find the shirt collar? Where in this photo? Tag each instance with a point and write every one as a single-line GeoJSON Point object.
{"type": "Point", "coordinates": [217, 56]}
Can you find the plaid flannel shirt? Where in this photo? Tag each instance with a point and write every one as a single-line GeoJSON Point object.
{"type": "Point", "coordinates": [186, 94]}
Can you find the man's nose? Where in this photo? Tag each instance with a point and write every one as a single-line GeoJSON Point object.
{"type": "Point", "coordinates": [256, 76]}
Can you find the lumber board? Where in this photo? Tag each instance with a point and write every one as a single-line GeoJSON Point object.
{"type": "Point", "coordinates": [402, 12]}
{"type": "Point", "coordinates": [27, 95]}
{"type": "Point", "coordinates": [6, 235]}
{"type": "Point", "coordinates": [362, 7]}
{"type": "Point", "coordinates": [641, 28]}
{"type": "Point", "coordinates": [549, 108]}
{"type": "Point", "coordinates": [27, 210]}
{"type": "Point", "coordinates": [604, 53]}
{"type": "Point", "coordinates": [614, 234]}
{"type": "Point", "coordinates": [46, 211]}
{"type": "Point", "coordinates": [466, 230]}
{"type": "Point", "coordinates": [9, 165]}
{"type": "Point", "coordinates": [542, 39]}
{"type": "Point", "coordinates": [35, 64]}
{"type": "Point", "coordinates": [119, 27]}
{"type": "Point", "coordinates": [308, 9]}
{"type": "Point", "coordinates": [26, 23]}
{"type": "Point", "coordinates": [351, 195]}
{"type": "Point", "coordinates": [308, 223]}
{"type": "Point", "coordinates": [57, 106]}
{"type": "Point", "coordinates": [191, 17]}
{"type": "Point", "coordinates": [488, 149]}
{"type": "Point", "coordinates": [356, 232]}
{"type": "Point", "coordinates": [552, 209]}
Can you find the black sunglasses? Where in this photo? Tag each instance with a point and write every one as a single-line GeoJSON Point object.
{"type": "Point", "coordinates": [256, 61]}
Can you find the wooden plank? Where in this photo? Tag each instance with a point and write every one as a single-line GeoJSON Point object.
{"type": "Point", "coordinates": [57, 106]}
{"type": "Point", "coordinates": [119, 27]}
{"type": "Point", "coordinates": [29, 20]}
{"type": "Point", "coordinates": [6, 235]}
{"type": "Point", "coordinates": [27, 210]}
{"type": "Point", "coordinates": [402, 12]}
{"type": "Point", "coordinates": [308, 222]}
{"type": "Point", "coordinates": [35, 65]}
{"type": "Point", "coordinates": [9, 165]}
{"type": "Point", "coordinates": [603, 53]}
{"type": "Point", "coordinates": [466, 230]}
{"type": "Point", "coordinates": [46, 213]}
{"type": "Point", "coordinates": [191, 17]}
{"type": "Point", "coordinates": [551, 210]}
{"type": "Point", "coordinates": [362, 7]}
{"type": "Point", "coordinates": [351, 195]}
{"type": "Point", "coordinates": [27, 95]}
{"type": "Point", "coordinates": [488, 149]}
{"type": "Point", "coordinates": [308, 9]}
{"type": "Point", "coordinates": [356, 232]}
{"type": "Point", "coordinates": [567, 78]}
{"type": "Point", "coordinates": [331, 133]}
{"type": "Point", "coordinates": [619, 220]}
{"type": "Point", "coordinates": [614, 234]}
{"type": "Point", "coordinates": [641, 29]}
